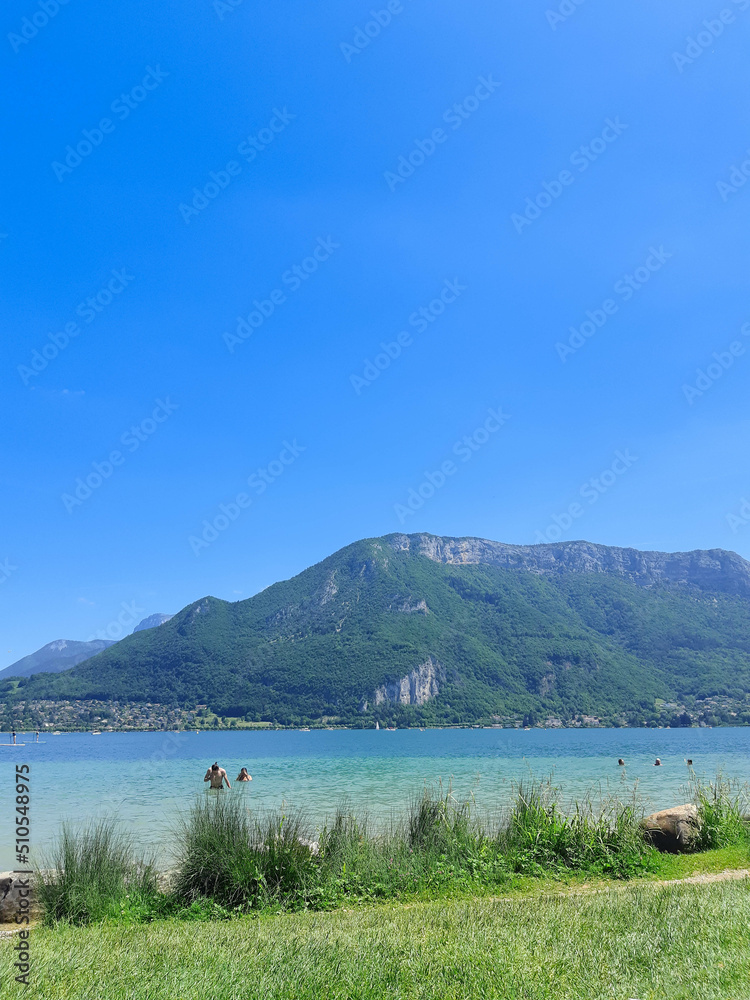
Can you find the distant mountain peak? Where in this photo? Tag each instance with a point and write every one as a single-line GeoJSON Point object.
{"type": "Point", "coordinates": [56, 656]}
{"type": "Point", "coordinates": [152, 622]}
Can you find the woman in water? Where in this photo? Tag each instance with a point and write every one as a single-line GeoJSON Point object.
{"type": "Point", "coordinates": [243, 775]}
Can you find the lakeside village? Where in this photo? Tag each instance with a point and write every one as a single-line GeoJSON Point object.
{"type": "Point", "coordinates": [128, 716]}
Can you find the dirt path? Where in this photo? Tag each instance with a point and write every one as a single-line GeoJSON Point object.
{"type": "Point", "coordinates": [729, 875]}
{"type": "Point", "coordinates": [700, 878]}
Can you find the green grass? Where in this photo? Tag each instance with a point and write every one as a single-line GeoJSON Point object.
{"type": "Point", "coordinates": [673, 866]}
{"type": "Point", "coordinates": [93, 874]}
{"type": "Point", "coordinates": [639, 940]}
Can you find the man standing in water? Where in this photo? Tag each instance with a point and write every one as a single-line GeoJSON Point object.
{"type": "Point", "coordinates": [217, 776]}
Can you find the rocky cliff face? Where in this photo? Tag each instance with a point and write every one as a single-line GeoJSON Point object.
{"type": "Point", "coordinates": [416, 688]}
{"type": "Point", "coordinates": [711, 569]}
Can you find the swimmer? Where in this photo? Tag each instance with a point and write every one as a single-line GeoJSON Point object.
{"type": "Point", "coordinates": [217, 776]}
{"type": "Point", "coordinates": [657, 762]}
{"type": "Point", "coordinates": [244, 776]}
{"type": "Point", "coordinates": [620, 761]}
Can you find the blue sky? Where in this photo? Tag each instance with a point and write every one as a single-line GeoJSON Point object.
{"type": "Point", "coordinates": [183, 166]}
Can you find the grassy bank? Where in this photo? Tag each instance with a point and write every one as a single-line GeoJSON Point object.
{"type": "Point", "coordinates": [643, 941]}
{"type": "Point", "coordinates": [230, 861]}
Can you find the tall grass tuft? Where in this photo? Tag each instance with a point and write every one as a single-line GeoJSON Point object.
{"type": "Point", "coordinates": [438, 823]}
{"type": "Point", "coordinates": [241, 862]}
{"type": "Point", "coordinates": [722, 810]}
{"type": "Point", "coordinates": [92, 874]}
{"type": "Point", "coordinates": [540, 835]}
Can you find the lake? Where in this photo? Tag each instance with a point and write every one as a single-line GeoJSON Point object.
{"type": "Point", "coordinates": [147, 779]}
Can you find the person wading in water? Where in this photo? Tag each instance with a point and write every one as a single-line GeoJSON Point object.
{"type": "Point", "coordinates": [244, 776]}
{"type": "Point", "coordinates": [217, 776]}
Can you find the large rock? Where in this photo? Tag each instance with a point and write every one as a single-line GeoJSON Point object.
{"type": "Point", "coordinates": [16, 897]}
{"type": "Point", "coordinates": [673, 830]}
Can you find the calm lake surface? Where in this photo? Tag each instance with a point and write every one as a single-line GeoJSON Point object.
{"type": "Point", "coordinates": [148, 779]}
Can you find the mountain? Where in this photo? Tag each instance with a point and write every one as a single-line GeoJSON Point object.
{"type": "Point", "coordinates": [152, 621]}
{"type": "Point", "coordinates": [62, 654]}
{"type": "Point", "coordinates": [419, 628]}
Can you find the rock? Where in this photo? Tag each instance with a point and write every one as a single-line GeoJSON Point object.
{"type": "Point", "coordinates": [16, 897]}
{"type": "Point", "coordinates": [673, 830]}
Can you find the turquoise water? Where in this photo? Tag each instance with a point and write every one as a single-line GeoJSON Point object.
{"type": "Point", "coordinates": [147, 779]}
